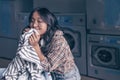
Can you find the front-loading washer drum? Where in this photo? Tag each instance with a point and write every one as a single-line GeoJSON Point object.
{"type": "Point", "coordinates": [105, 56]}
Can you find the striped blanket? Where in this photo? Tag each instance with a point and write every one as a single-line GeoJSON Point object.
{"type": "Point", "coordinates": [26, 64]}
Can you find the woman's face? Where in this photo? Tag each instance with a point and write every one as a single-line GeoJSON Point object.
{"type": "Point", "coordinates": [38, 23]}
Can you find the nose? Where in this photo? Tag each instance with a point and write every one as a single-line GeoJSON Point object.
{"type": "Point", "coordinates": [35, 24]}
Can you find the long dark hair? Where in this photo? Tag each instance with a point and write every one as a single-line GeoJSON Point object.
{"type": "Point", "coordinates": [50, 19]}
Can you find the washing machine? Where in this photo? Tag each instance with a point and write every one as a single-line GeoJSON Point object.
{"type": "Point", "coordinates": [73, 26]}
{"type": "Point", "coordinates": [103, 53]}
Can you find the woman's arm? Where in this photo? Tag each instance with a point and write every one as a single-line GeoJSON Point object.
{"type": "Point", "coordinates": [56, 55]}
{"type": "Point", "coordinates": [56, 51]}
{"type": "Point", "coordinates": [39, 52]}
{"type": "Point", "coordinates": [34, 41]}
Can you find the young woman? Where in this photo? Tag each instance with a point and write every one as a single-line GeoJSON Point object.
{"type": "Point", "coordinates": [50, 45]}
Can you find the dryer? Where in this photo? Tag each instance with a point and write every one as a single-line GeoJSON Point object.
{"type": "Point", "coordinates": [73, 26]}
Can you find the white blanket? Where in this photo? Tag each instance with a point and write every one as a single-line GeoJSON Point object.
{"type": "Point", "coordinates": [1, 71]}
{"type": "Point", "coordinates": [26, 65]}
{"type": "Point", "coordinates": [26, 51]}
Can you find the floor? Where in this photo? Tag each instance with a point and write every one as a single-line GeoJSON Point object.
{"type": "Point", "coordinates": [88, 78]}
{"type": "Point", "coordinates": [6, 62]}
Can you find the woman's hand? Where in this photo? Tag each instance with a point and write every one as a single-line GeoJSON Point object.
{"type": "Point", "coordinates": [34, 39]}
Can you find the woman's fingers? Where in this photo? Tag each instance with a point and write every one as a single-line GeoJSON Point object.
{"type": "Point", "coordinates": [34, 39]}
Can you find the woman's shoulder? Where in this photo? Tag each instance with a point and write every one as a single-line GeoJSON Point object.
{"type": "Point", "coordinates": [58, 36]}
{"type": "Point", "coordinates": [58, 33]}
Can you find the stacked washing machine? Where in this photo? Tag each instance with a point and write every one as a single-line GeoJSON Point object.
{"type": "Point", "coordinates": [103, 39]}
{"type": "Point", "coordinates": [73, 26]}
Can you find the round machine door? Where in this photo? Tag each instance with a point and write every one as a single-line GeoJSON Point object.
{"type": "Point", "coordinates": [74, 39]}
{"type": "Point", "coordinates": [105, 56]}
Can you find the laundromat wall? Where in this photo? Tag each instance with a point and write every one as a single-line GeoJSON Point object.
{"type": "Point", "coordinates": [95, 25]}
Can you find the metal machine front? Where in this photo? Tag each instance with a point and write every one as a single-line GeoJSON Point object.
{"type": "Point", "coordinates": [103, 56]}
